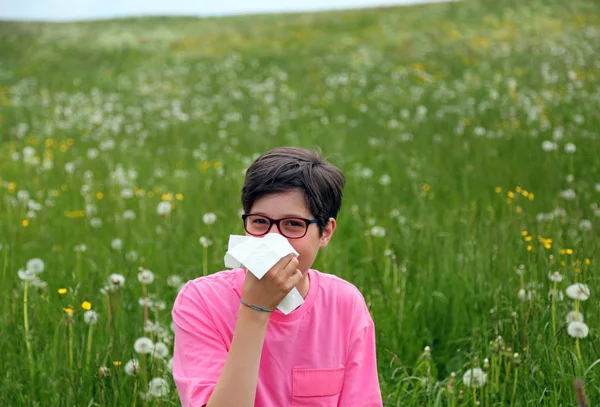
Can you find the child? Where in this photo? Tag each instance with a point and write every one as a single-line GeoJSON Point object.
{"type": "Point", "coordinates": [233, 348]}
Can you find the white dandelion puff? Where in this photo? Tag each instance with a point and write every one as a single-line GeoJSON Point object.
{"type": "Point", "coordinates": [26, 275]}
{"type": "Point", "coordinates": [163, 208]}
{"type": "Point", "coordinates": [209, 218]}
{"type": "Point", "coordinates": [116, 281]}
{"type": "Point", "coordinates": [158, 387]}
{"type": "Point", "coordinates": [170, 365]}
{"type": "Point", "coordinates": [174, 281]}
{"type": "Point", "coordinates": [90, 317]}
{"type": "Point", "coordinates": [160, 350]}
{"type": "Point", "coordinates": [204, 241]}
{"type": "Point", "coordinates": [377, 231]}
{"type": "Point", "coordinates": [143, 345]}
{"type": "Point", "coordinates": [129, 215]}
{"type": "Point", "coordinates": [578, 329]}
{"type": "Point", "coordinates": [570, 148]}
{"type": "Point", "coordinates": [132, 368]}
{"type": "Point", "coordinates": [548, 146]}
{"type": "Point", "coordinates": [574, 316]}
{"type": "Point", "coordinates": [145, 276]}
{"type": "Point", "coordinates": [578, 291]}
{"type": "Point", "coordinates": [35, 265]}
{"type": "Point", "coordinates": [116, 244]}
{"type": "Point", "coordinates": [474, 378]}
{"type": "Point", "coordinates": [568, 194]}
{"type": "Point", "coordinates": [555, 277]}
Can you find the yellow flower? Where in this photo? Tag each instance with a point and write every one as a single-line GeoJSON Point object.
{"type": "Point", "coordinates": [510, 194]}
{"type": "Point", "coordinates": [62, 291]}
{"type": "Point", "coordinates": [498, 190]}
{"type": "Point", "coordinates": [548, 246]}
{"type": "Point", "coordinates": [217, 164]}
{"type": "Point", "coordinates": [529, 248]}
{"type": "Point", "coordinates": [524, 233]}
{"type": "Point", "coordinates": [518, 189]}
{"type": "Point", "coordinates": [426, 187]}
{"type": "Point", "coordinates": [528, 238]}
{"type": "Point", "coordinates": [562, 251]}
{"type": "Point", "coordinates": [117, 363]}
{"type": "Point", "coordinates": [530, 196]}
{"type": "Point", "coordinates": [519, 209]}
{"type": "Point", "coordinates": [63, 187]}
{"type": "Point", "coordinates": [563, 263]}
{"type": "Point", "coordinates": [68, 310]}
{"type": "Point", "coordinates": [11, 186]}
{"type": "Point", "coordinates": [569, 251]}
{"type": "Point", "coordinates": [179, 197]}
{"type": "Point", "coordinates": [166, 197]}
{"type": "Point", "coordinates": [86, 305]}
{"type": "Point", "coordinates": [525, 193]}
{"type": "Point", "coordinates": [588, 262]}
{"type": "Point", "coordinates": [99, 195]}
{"type": "Point", "coordinates": [24, 223]}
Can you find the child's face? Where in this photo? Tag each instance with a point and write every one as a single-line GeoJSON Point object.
{"type": "Point", "coordinates": [291, 204]}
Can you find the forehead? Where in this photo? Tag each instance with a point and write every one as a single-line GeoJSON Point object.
{"type": "Point", "coordinates": [281, 204]}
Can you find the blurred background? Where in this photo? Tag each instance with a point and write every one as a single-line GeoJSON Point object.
{"type": "Point", "coordinates": [469, 132]}
{"type": "Point", "coordinates": [67, 10]}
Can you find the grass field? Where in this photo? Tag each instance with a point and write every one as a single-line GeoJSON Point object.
{"type": "Point", "coordinates": [469, 133]}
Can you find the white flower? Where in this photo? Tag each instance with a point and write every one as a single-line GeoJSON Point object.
{"type": "Point", "coordinates": [96, 223]}
{"type": "Point", "coordinates": [474, 378]}
{"type": "Point", "coordinates": [116, 244]}
{"type": "Point", "coordinates": [116, 281]}
{"type": "Point", "coordinates": [127, 193]}
{"type": "Point", "coordinates": [160, 350]}
{"type": "Point", "coordinates": [143, 345]}
{"type": "Point", "coordinates": [570, 148]}
{"type": "Point", "coordinates": [556, 277]}
{"type": "Point", "coordinates": [69, 168]}
{"type": "Point", "coordinates": [132, 368]}
{"type": "Point", "coordinates": [385, 179]}
{"type": "Point", "coordinates": [548, 145]}
{"type": "Point", "coordinates": [92, 153]}
{"type": "Point", "coordinates": [585, 225]}
{"type": "Point", "coordinates": [37, 283]}
{"type": "Point", "coordinates": [26, 275]}
{"type": "Point", "coordinates": [131, 255]}
{"type": "Point", "coordinates": [573, 316]}
{"type": "Point", "coordinates": [204, 241]}
{"type": "Point", "coordinates": [35, 265]}
{"type": "Point", "coordinates": [170, 365]}
{"type": "Point", "coordinates": [578, 291]}
{"type": "Point", "coordinates": [558, 294]}
{"type": "Point", "coordinates": [146, 276]}
{"type": "Point", "coordinates": [578, 329]}
{"type": "Point", "coordinates": [90, 317]}
{"type": "Point", "coordinates": [80, 248]}
{"type": "Point", "coordinates": [568, 194]}
{"type": "Point", "coordinates": [91, 209]}
{"type": "Point", "coordinates": [174, 281]}
{"type": "Point", "coordinates": [158, 387]}
{"type": "Point", "coordinates": [129, 215]}
{"type": "Point", "coordinates": [146, 302]}
{"type": "Point", "coordinates": [520, 270]}
{"type": "Point", "coordinates": [209, 218]}
{"type": "Point", "coordinates": [522, 294]}
{"type": "Point", "coordinates": [377, 231]}
{"type": "Point", "coordinates": [164, 208]}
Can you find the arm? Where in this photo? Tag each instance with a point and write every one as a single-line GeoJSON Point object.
{"type": "Point", "coordinates": [236, 386]}
{"type": "Point", "coordinates": [361, 382]}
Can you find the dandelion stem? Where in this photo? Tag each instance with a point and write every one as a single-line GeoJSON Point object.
{"type": "Point", "coordinates": [110, 318]}
{"type": "Point", "coordinates": [145, 304]}
{"type": "Point", "coordinates": [474, 395]}
{"type": "Point", "coordinates": [70, 333]}
{"type": "Point", "coordinates": [554, 310]}
{"type": "Point", "coordinates": [505, 382]}
{"type": "Point", "coordinates": [204, 260]}
{"type": "Point", "coordinates": [5, 263]}
{"type": "Point", "coordinates": [89, 346]}
{"type": "Point", "coordinates": [135, 380]}
{"type": "Point", "coordinates": [512, 398]}
{"type": "Point", "coordinates": [27, 337]}
{"type": "Point", "coordinates": [578, 349]}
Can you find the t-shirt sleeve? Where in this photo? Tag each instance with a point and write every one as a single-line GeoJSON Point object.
{"type": "Point", "coordinates": [361, 381]}
{"type": "Point", "coordinates": [199, 351]}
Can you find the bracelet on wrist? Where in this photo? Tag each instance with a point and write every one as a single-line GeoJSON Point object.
{"type": "Point", "coordinates": [254, 307]}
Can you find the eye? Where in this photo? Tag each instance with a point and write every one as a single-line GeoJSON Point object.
{"type": "Point", "coordinates": [294, 223]}
{"type": "Point", "coordinates": [259, 221]}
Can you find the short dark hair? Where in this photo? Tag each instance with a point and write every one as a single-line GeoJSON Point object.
{"type": "Point", "coordinates": [287, 168]}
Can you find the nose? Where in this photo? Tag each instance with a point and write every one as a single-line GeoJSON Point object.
{"type": "Point", "coordinates": [273, 229]}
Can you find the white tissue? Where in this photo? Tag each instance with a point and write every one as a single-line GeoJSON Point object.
{"type": "Point", "coordinates": [259, 255]}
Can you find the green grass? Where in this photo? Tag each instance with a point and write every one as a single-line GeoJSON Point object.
{"type": "Point", "coordinates": [453, 101]}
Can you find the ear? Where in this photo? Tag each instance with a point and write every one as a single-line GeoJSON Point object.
{"type": "Point", "coordinates": [327, 233]}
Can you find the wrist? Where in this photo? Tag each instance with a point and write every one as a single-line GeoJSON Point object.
{"type": "Point", "coordinates": [258, 317]}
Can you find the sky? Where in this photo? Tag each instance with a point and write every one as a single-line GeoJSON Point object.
{"type": "Point", "coordinates": [75, 10]}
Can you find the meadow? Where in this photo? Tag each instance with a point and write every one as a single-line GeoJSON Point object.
{"type": "Point", "coordinates": [469, 134]}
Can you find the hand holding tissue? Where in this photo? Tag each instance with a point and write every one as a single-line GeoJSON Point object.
{"type": "Point", "coordinates": [259, 255]}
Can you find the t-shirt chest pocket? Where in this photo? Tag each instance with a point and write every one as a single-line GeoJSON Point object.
{"type": "Point", "coordinates": [316, 387]}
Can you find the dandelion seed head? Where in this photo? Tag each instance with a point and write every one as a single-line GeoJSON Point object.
{"type": "Point", "coordinates": [90, 317]}
{"type": "Point", "coordinates": [158, 387]}
{"type": "Point", "coordinates": [578, 329]}
{"type": "Point", "coordinates": [143, 345]}
{"type": "Point", "coordinates": [578, 291]}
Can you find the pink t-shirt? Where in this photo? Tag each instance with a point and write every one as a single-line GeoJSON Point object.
{"type": "Point", "coordinates": [321, 354]}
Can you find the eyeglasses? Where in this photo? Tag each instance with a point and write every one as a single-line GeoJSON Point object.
{"type": "Point", "coordinates": [292, 228]}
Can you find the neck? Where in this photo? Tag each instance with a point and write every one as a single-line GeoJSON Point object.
{"type": "Point", "coordinates": [303, 285]}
